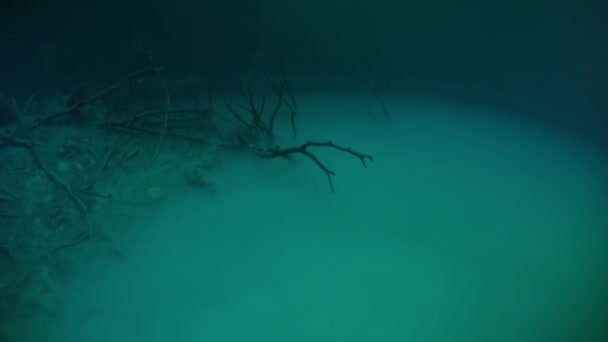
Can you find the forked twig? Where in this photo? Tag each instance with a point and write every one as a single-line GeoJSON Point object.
{"type": "Point", "coordinates": [257, 124]}
{"type": "Point", "coordinates": [166, 118]}
{"type": "Point", "coordinates": [291, 104]}
{"type": "Point", "coordinates": [276, 152]}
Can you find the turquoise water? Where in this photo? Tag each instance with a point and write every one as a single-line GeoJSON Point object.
{"type": "Point", "coordinates": [468, 226]}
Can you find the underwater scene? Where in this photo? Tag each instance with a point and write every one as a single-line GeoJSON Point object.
{"type": "Point", "coordinates": [336, 170]}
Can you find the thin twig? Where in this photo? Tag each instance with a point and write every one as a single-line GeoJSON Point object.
{"type": "Point", "coordinates": [276, 152]}
{"type": "Point", "coordinates": [157, 112]}
{"type": "Point", "coordinates": [112, 150]}
{"type": "Point", "coordinates": [10, 140]}
{"type": "Point", "coordinates": [291, 104]}
{"type": "Point", "coordinates": [167, 104]}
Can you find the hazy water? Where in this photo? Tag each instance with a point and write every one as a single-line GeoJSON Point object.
{"type": "Point", "coordinates": [467, 227]}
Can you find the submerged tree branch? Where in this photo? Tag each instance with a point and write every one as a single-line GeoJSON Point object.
{"type": "Point", "coordinates": [276, 151]}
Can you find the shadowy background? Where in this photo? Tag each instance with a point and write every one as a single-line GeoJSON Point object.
{"type": "Point", "coordinates": [546, 59]}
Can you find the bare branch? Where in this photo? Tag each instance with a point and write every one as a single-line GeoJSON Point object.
{"type": "Point", "coordinates": [275, 152]}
